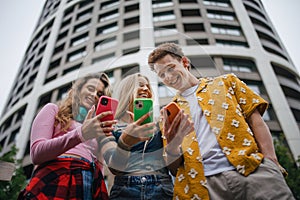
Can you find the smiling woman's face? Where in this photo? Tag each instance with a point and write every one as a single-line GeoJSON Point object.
{"type": "Point", "coordinates": [91, 92]}
{"type": "Point", "coordinates": [144, 90]}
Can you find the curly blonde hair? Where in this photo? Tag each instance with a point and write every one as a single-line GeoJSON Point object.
{"type": "Point", "coordinates": [69, 107]}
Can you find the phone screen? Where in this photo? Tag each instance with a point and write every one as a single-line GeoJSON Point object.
{"type": "Point", "coordinates": [142, 106]}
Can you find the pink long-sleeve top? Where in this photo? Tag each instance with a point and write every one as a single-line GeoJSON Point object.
{"type": "Point", "coordinates": [49, 142]}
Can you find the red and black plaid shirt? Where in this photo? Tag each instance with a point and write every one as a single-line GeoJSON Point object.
{"type": "Point", "coordinates": [62, 179]}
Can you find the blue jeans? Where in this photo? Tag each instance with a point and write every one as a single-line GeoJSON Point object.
{"type": "Point", "coordinates": [142, 188]}
{"type": "Point", "coordinates": [87, 177]}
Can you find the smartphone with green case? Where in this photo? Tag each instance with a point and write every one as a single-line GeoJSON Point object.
{"type": "Point", "coordinates": [142, 106]}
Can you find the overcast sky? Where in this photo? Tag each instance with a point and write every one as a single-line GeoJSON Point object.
{"type": "Point", "coordinates": [19, 17]}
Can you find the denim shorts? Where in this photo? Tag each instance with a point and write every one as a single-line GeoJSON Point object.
{"type": "Point", "coordinates": [142, 187]}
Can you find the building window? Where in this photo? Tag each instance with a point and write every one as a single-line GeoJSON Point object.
{"type": "Point", "coordinates": [190, 13]}
{"type": "Point", "coordinates": [109, 15]}
{"type": "Point", "coordinates": [226, 30]}
{"type": "Point", "coordinates": [69, 11]}
{"type": "Point", "coordinates": [65, 23]}
{"type": "Point", "coordinates": [231, 43]}
{"type": "Point", "coordinates": [111, 77]}
{"type": "Point", "coordinates": [204, 62]}
{"type": "Point", "coordinates": [131, 8]}
{"type": "Point", "coordinates": [58, 49]}
{"type": "Point", "coordinates": [164, 16]}
{"type": "Point", "coordinates": [82, 26]}
{"type": "Point", "coordinates": [109, 4]}
{"type": "Point", "coordinates": [13, 135]}
{"type": "Point", "coordinates": [73, 68]}
{"type": "Point", "coordinates": [134, 68]}
{"type": "Point", "coordinates": [32, 78]}
{"type": "Point", "coordinates": [85, 3]}
{"type": "Point", "coordinates": [51, 78]}
{"type": "Point", "coordinates": [161, 4]}
{"type": "Point", "coordinates": [165, 31]}
{"type": "Point", "coordinates": [80, 53]}
{"type": "Point", "coordinates": [188, 1]}
{"type": "Point", "coordinates": [193, 27]}
{"type": "Point", "coordinates": [79, 40]}
{"type": "Point", "coordinates": [281, 71]}
{"type": "Point", "coordinates": [102, 58]}
{"type": "Point", "coordinates": [219, 15]}
{"type": "Point", "coordinates": [62, 35]}
{"type": "Point", "coordinates": [54, 64]}
{"type": "Point", "coordinates": [131, 35]}
{"type": "Point", "coordinates": [216, 3]}
{"type": "Point", "coordinates": [130, 50]}
{"type": "Point", "coordinates": [238, 65]}
{"type": "Point", "coordinates": [105, 44]}
{"type": "Point", "coordinates": [131, 21]}
{"type": "Point", "coordinates": [196, 41]}
{"type": "Point", "coordinates": [85, 14]}
{"type": "Point", "coordinates": [63, 91]}
{"type": "Point", "coordinates": [107, 29]}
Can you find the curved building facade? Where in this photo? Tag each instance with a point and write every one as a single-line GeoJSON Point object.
{"type": "Point", "coordinates": [75, 37]}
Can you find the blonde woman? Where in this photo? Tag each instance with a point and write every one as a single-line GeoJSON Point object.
{"type": "Point", "coordinates": [144, 174]}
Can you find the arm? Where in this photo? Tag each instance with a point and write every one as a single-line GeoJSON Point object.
{"type": "Point", "coordinates": [174, 160]}
{"type": "Point", "coordinates": [116, 154]}
{"type": "Point", "coordinates": [43, 146]}
{"type": "Point", "coordinates": [174, 134]}
{"type": "Point", "coordinates": [262, 135]}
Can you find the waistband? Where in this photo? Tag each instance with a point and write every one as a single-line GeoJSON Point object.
{"type": "Point", "coordinates": [145, 179]}
{"type": "Point", "coordinates": [75, 157]}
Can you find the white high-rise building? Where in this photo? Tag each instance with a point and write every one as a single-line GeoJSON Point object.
{"type": "Point", "coordinates": [75, 37]}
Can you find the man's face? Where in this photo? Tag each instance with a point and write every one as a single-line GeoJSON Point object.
{"type": "Point", "coordinates": [172, 72]}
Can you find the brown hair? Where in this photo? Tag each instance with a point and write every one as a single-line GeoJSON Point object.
{"type": "Point", "coordinates": [69, 107]}
{"type": "Point", "coordinates": [162, 50]}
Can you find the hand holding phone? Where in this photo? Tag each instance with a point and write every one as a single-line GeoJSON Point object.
{"type": "Point", "coordinates": [172, 110]}
{"type": "Point", "coordinates": [106, 103]}
{"type": "Point", "coordinates": [142, 106]}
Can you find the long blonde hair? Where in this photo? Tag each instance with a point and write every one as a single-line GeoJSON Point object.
{"type": "Point", "coordinates": [126, 91]}
{"type": "Point", "coordinates": [69, 107]}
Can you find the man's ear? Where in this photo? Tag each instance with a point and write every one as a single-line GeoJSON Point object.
{"type": "Point", "coordinates": [185, 62]}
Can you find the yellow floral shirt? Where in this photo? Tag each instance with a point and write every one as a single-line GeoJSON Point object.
{"type": "Point", "coordinates": [226, 102]}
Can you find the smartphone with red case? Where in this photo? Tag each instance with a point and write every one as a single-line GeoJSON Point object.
{"type": "Point", "coordinates": [172, 110]}
{"type": "Point", "coordinates": [142, 106]}
{"type": "Point", "coordinates": [106, 103]}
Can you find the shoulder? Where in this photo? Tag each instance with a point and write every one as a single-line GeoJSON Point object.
{"type": "Point", "coordinates": [223, 77]}
{"type": "Point", "coordinates": [228, 79]}
{"type": "Point", "coordinates": [50, 107]}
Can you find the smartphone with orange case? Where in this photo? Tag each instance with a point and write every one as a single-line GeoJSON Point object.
{"type": "Point", "coordinates": [172, 110]}
{"type": "Point", "coordinates": [106, 103]}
